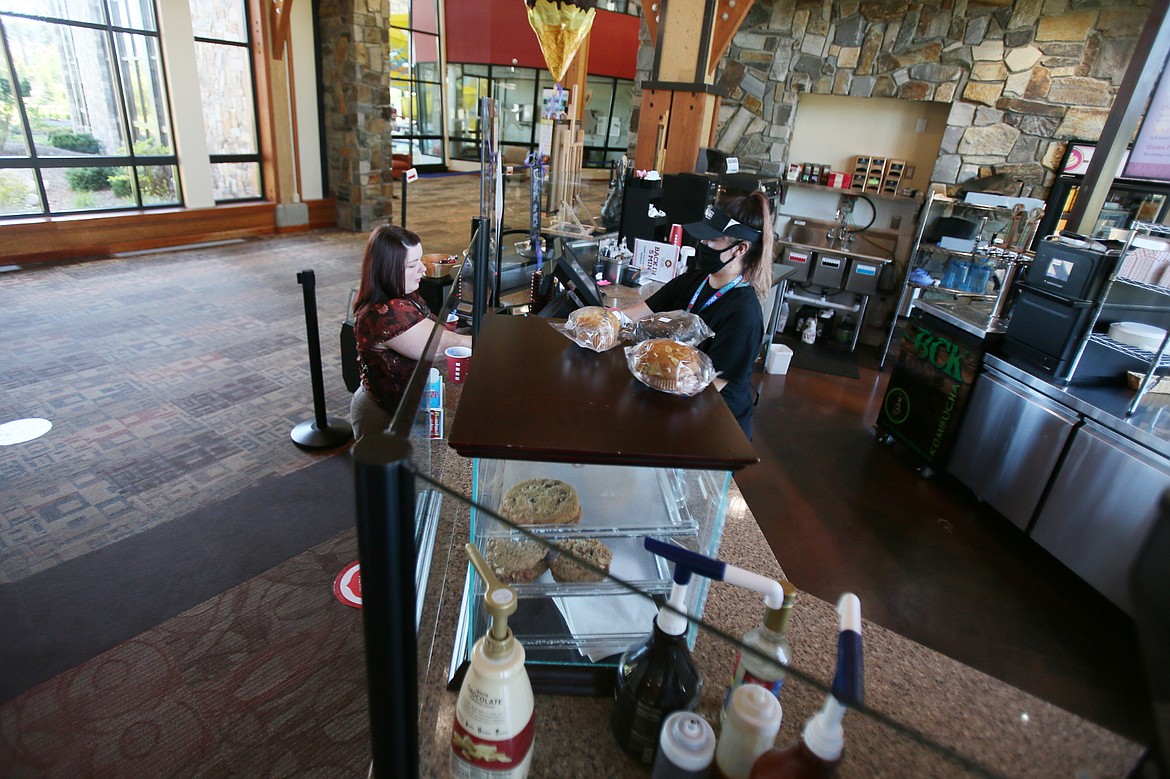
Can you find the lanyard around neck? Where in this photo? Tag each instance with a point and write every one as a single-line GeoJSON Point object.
{"type": "Point", "coordinates": [736, 282]}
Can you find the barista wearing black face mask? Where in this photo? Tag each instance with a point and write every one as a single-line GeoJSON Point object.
{"type": "Point", "coordinates": [730, 277]}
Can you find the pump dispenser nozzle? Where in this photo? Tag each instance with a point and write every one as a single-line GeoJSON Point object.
{"type": "Point", "coordinates": [823, 734]}
{"type": "Point", "coordinates": [693, 562]}
{"type": "Point", "coordinates": [500, 603]}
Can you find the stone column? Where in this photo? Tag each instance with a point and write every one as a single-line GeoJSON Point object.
{"type": "Point", "coordinates": [356, 98]}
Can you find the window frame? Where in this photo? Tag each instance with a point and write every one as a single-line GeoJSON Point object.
{"type": "Point", "coordinates": [609, 152]}
{"type": "Point", "coordinates": [256, 157]}
{"type": "Point", "coordinates": [35, 162]}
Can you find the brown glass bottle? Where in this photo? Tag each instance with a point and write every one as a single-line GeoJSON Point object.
{"type": "Point", "coordinates": [792, 762]}
{"type": "Point", "coordinates": [655, 679]}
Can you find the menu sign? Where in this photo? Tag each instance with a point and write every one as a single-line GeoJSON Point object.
{"type": "Point", "coordinates": [1150, 157]}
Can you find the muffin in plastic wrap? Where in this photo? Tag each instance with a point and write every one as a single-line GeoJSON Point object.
{"type": "Point", "coordinates": [678, 325]}
{"type": "Point", "coordinates": [593, 327]}
{"type": "Point", "coordinates": [670, 366]}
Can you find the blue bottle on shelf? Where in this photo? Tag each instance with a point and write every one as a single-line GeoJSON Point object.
{"type": "Point", "coordinates": [978, 277]}
{"type": "Point", "coordinates": [955, 276]}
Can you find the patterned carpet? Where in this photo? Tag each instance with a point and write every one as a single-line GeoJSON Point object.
{"type": "Point", "coordinates": [150, 627]}
{"type": "Point", "coordinates": [171, 380]}
{"type": "Point", "coordinates": [174, 379]}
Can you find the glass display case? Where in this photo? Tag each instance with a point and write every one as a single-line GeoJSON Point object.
{"type": "Point", "coordinates": [586, 623]}
{"type": "Point", "coordinates": [642, 463]}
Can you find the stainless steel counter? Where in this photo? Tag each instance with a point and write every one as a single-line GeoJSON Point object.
{"type": "Point", "coordinates": [834, 249]}
{"type": "Point", "coordinates": [1149, 426]}
{"type": "Point", "coordinates": [971, 316]}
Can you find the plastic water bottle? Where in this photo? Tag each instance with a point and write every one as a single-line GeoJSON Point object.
{"type": "Point", "coordinates": [978, 277]}
{"type": "Point", "coordinates": [956, 274]}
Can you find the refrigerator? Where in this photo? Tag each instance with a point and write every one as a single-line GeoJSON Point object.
{"type": "Point", "coordinates": [1128, 199]}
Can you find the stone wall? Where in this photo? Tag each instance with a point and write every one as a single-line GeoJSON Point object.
{"type": "Point", "coordinates": [1022, 77]}
{"type": "Point", "coordinates": [354, 40]}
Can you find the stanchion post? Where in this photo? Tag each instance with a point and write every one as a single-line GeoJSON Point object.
{"type": "Point", "coordinates": [319, 432]}
{"type": "Point", "coordinates": [404, 177]}
{"type": "Point", "coordinates": [385, 490]}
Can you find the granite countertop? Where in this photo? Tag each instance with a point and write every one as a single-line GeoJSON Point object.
{"type": "Point", "coordinates": [990, 727]}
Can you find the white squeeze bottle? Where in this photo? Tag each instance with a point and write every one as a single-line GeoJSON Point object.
{"type": "Point", "coordinates": [494, 728]}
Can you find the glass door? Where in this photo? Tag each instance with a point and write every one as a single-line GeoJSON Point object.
{"type": "Point", "coordinates": [416, 97]}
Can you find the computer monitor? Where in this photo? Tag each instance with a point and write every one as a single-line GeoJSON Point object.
{"type": "Point", "coordinates": [578, 288]}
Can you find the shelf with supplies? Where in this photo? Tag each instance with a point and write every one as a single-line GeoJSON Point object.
{"type": "Point", "coordinates": [966, 251]}
{"type": "Point", "coordinates": [1139, 301]}
{"type": "Point", "coordinates": [916, 198]}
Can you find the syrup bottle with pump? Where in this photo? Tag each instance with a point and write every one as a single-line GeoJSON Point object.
{"type": "Point", "coordinates": [770, 638]}
{"type": "Point", "coordinates": [494, 726]}
{"type": "Point", "coordinates": [656, 677]}
{"type": "Point", "coordinates": [818, 752]}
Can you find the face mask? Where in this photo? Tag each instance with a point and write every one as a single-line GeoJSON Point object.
{"type": "Point", "coordinates": [710, 260]}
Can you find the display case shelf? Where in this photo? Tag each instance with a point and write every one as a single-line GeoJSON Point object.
{"type": "Point", "coordinates": [604, 493]}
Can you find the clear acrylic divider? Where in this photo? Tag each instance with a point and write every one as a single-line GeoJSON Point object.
{"type": "Point", "coordinates": [923, 714]}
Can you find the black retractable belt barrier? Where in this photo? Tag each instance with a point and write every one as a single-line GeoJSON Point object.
{"type": "Point", "coordinates": [404, 198]}
{"type": "Point", "coordinates": [319, 432]}
{"type": "Point", "coordinates": [385, 490]}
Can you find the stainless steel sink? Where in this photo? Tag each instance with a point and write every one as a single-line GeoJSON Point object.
{"type": "Point", "coordinates": [814, 234]}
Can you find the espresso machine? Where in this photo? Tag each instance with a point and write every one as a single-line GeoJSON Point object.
{"type": "Point", "coordinates": [1057, 295]}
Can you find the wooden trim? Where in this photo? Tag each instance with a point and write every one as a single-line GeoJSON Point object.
{"type": "Point", "coordinates": [265, 121]}
{"type": "Point", "coordinates": [322, 213]}
{"type": "Point", "coordinates": [96, 236]}
{"type": "Point", "coordinates": [725, 30]}
{"type": "Point", "coordinates": [281, 18]}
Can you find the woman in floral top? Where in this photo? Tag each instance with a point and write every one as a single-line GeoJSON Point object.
{"type": "Point", "coordinates": [391, 324]}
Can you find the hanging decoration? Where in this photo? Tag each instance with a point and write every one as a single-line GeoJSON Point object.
{"type": "Point", "coordinates": [561, 26]}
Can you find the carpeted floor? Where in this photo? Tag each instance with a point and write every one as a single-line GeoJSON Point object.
{"type": "Point", "coordinates": [51, 624]}
{"type": "Point", "coordinates": [173, 379]}
{"type": "Point", "coordinates": [264, 680]}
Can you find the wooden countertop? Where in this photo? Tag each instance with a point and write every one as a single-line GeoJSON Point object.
{"type": "Point", "coordinates": [532, 394]}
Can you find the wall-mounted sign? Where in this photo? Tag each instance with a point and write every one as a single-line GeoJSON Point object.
{"type": "Point", "coordinates": [1150, 157]}
{"type": "Point", "coordinates": [1079, 155]}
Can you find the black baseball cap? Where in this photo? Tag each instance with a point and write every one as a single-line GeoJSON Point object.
{"type": "Point", "coordinates": [717, 224]}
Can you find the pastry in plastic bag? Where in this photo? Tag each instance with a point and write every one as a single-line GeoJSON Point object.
{"type": "Point", "coordinates": [670, 366]}
{"type": "Point", "coordinates": [679, 325]}
{"type": "Point", "coordinates": [593, 327]}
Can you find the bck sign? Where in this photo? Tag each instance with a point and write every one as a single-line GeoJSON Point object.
{"type": "Point", "coordinates": [940, 352]}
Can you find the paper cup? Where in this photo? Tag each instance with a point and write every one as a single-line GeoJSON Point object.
{"type": "Point", "coordinates": [779, 356]}
{"type": "Point", "coordinates": [458, 358]}
{"type": "Point", "coordinates": [452, 321]}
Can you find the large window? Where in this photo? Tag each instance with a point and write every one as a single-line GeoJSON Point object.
{"type": "Point", "coordinates": [416, 101]}
{"type": "Point", "coordinates": [84, 124]}
{"type": "Point", "coordinates": [228, 96]}
{"type": "Point", "coordinates": [606, 114]}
